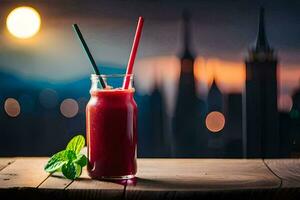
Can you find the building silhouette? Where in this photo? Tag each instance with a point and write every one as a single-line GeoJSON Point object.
{"type": "Point", "coordinates": [287, 138]}
{"type": "Point", "coordinates": [158, 140]}
{"type": "Point", "coordinates": [215, 98]}
{"type": "Point", "coordinates": [261, 134]}
{"type": "Point", "coordinates": [144, 132]}
{"type": "Point", "coordinates": [233, 125]}
{"type": "Point", "coordinates": [296, 100]}
{"type": "Point", "coordinates": [215, 140]}
{"type": "Point", "coordinates": [295, 124]}
{"type": "Point", "coordinates": [153, 140]}
{"type": "Point", "coordinates": [185, 121]}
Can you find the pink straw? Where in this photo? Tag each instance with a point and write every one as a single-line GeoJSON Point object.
{"type": "Point", "coordinates": [133, 52]}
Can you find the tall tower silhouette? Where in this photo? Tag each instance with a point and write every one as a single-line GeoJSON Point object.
{"type": "Point", "coordinates": [261, 134]}
{"type": "Point", "coordinates": [185, 117]}
{"type": "Point", "coordinates": [215, 98]}
{"type": "Point", "coordinates": [215, 141]}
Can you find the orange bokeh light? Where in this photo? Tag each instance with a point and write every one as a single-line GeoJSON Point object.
{"type": "Point", "coordinates": [215, 121]}
{"type": "Point", "coordinates": [12, 107]}
{"type": "Point", "coordinates": [69, 108]}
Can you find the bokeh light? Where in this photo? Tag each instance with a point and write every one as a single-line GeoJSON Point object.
{"type": "Point", "coordinates": [23, 22]}
{"type": "Point", "coordinates": [12, 107]}
{"type": "Point", "coordinates": [215, 121]}
{"type": "Point", "coordinates": [69, 108]}
{"type": "Point", "coordinates": [48, 98]}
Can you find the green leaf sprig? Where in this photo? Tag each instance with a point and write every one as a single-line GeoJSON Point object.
{"type": "Point", "coordinates": [69, 161]}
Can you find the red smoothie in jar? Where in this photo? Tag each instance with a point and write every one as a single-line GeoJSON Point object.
{"type": "Point", "coordinates": [111, 120]}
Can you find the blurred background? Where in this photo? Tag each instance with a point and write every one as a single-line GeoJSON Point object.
{"type": "Point", "coordinates": [213, 78]}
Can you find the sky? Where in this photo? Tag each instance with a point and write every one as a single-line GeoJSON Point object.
{"type": "Point", "coordinates": [222, 31]}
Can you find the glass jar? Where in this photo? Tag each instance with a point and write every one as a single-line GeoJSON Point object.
{"type": "Point", "coordinates": [111, 128]}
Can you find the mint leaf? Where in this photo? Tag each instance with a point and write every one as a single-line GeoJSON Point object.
{"type": "Point", "coordinates": [69, 161]}
{"type": "Point", "coordinates": [54, 165]}
{"type": "Point", "coordinates": [81, 160]}
{"type": "Point", "coordinates": [78, 170]}
{"type": "Point", "coordinates": [70, 155]}
{"type": "Point", "coordinates": [58, 160]}
{"type": "Point", "coordinates": [69, 170]}
{"type": "Point", "coordinates": [76, 144]}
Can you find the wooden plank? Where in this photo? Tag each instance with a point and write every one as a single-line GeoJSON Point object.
{"type": "Point", "coordinates": [201, 175]}
{"type": "Point", "coordinates": [56, 181]}
{"type": "Point", "coordinates": [54, 187]}
{"type": "Point", "coordinates": [24, 172]}
{"type": "Point", "coordinates": [87, 188]}
{"type": "Point", "coordinates": [287, 169]}
{"type": "Point", "coordinates": [161, 178]}
{"type": "Point", "coordinates": [5, 162]}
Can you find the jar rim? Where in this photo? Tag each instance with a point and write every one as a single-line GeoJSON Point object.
{"type": "Point", "coordinates": [93, 76]}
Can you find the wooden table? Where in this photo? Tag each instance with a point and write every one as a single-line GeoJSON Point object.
{"type": "Point", "coordinates": [159, 179]}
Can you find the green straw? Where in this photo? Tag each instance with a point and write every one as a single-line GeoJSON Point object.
{"type": "Point", "coordinates": [88, 53]}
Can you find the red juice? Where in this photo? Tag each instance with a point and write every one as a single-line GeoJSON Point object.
{"type": "Point", "coordinates": [111, 117]}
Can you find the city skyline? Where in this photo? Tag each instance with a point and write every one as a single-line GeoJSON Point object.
{"type": "Point", "coordinates": [217, 56]}
{"type": "Point", "coordinates": [189, 91]}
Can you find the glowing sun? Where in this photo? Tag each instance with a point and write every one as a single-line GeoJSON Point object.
{"type": "Point", "coordinates": [23, 22]}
